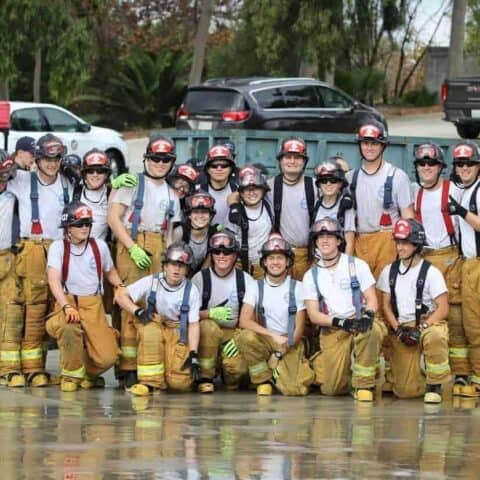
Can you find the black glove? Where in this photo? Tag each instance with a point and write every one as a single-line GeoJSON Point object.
{"type": "Point", "coordinates": [347, 324]}
{"type": "Point", "coordinates": [346, 202]}
{"type": "Point", "coordinates": [73, 177]}
{"type": "Point", "coordinates": [235, 215]}
{"type": "Point", "coordinates": [454, 208]}
{"type": "Point", "coordinates": [143, 315]}
{"type": "Point", "coordinates": [193, 363]}
{"type": "Point", "coordinates": [408, 335]}
{"type": "Point", "coordinates": [365, 322]}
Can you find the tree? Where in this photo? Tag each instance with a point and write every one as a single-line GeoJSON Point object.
{"type": "Point", "coordinates": [457, 38]}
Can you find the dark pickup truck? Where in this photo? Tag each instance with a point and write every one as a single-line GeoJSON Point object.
{"type": "Point", "coordinates": [461, 104]}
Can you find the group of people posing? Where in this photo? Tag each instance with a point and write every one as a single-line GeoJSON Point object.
{"type": "Point", "coordinates": [226, 277]}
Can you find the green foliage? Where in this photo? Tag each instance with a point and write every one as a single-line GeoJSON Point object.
{"type": "Point", "coordinates": [420, 97]}
{"type": "Point", "coordinates": [365, 84]}
{"type": "Point", "coordinates": [472, 42]}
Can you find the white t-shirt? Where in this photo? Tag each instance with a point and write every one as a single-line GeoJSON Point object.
{"type": "Point", "coordinates": [332, 212]}
{"type": "Point", "coordinates": [275, 303]}
{"type": "Point", "coordinates": [469, 248]}
{"type": "Point", "coordinates": [224, 292]}
{"type": "Point", "coordinates": [50, 205]}
{"type": "Point", "coordinates": [221, 205]}
{"type": "Point", "coordinates": [7, 202]}
{"type": "Point", "coordinates": [432, 217]}
{"type": "Point", "coordinates": [82, 270]}
{"type": "Point", "coordinates": [335, 286]}
{"type": "Point", "coordinates": [97, 200]}
{"type": "Point", "coordinates": [156, 202]}
{"type": "Point", "coordinates": [168, 299]}
{"type": "Point", "coordinates": [259, 228]}
{"type": "Point", "coordinates": [294, 220]}
{"type": "Point", "coordinates": [369, 196]}
{"type": "Point", "coordinates": [199, 247]}
{"type": "Point", "coordinates": [406, 289]}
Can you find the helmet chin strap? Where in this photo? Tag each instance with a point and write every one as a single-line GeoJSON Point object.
{"type": "Point", "coordinates": [384, 146]}
{"type": "Point", "coordinates": [410, 260]}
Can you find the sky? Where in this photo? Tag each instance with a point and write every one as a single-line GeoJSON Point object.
{"type": "Point", "coordinates": [427, 18]}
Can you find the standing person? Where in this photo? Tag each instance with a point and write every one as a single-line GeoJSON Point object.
{"type": "Point", "coordinates": [167, 330]}
{"type": "Point", "coordinates": [141, 219]}
{"type": "Point", "coordinates": [251, 219]}
{"type": "Point", "coordinates": [415, 304]}
{"type": "Point", "coordinates": [219, 168]}
{"type": "Point", "coordinates": [76, 266]}
{"type": "Point", "coordinates": [334, 200]}
{"type": "Point", "coordinates": [196, 228]}
{"type": "Point", "coordinates": [24, 155]}
{"type": "Point", "coordinates": [441, 249]}
{"type": "Point", "coordinates": [466, 165]}
{"type": "Point", "coordinates": [11, 298]}
{"type": "Point", "coordinates": [222, 289]}
{"type": "Point", "coordinates": [292, 195]}
{"type": "Point", "coordinates": [340, 297]}
{"type": "Point", "coordinates": [41, 196]}
{"type": "Point", "coordinates": [272, 323]}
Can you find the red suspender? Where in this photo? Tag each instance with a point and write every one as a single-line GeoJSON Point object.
{"type": "Point", "coordinates": [66, 261]}
{"type": "Point", "coordinates": [418, 205]}
{"type": "Point", "coordinates": [446, 216]}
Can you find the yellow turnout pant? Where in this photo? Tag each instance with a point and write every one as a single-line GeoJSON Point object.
{"type": "Point", "coordinates": [301, 264]}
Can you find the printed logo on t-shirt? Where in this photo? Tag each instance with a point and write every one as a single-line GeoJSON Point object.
{"type": "Point", "coordinates": [345, 283]}
{"type": "Point", "coordinates": [60, 198]}
{"type": "Point", "coordinates": [233, 298]}
{"type": "Point", "coordinates": [92, 265]}
{"type": "Point", "coordinates": [303, 203]}
{"type": "Point", "coordinates": [286, 297]}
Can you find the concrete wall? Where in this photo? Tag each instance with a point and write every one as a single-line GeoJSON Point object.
{"type": "Point", "coordinates": [436, 60]}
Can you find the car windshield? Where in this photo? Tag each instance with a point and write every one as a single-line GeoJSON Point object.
{"type": "Point", "coordinates": [210, 101]}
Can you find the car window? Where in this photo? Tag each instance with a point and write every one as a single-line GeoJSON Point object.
{"type": "Point", "coordinates": [213, 101]}
{"type": "Point", "coordinates": [333, 99]}
{"type": "Point", "coordinates": [269, 98]}
{"type": "Point", "coordinates": [60, 121]}
{"type": "Point", "coordinates": [301, 96]}
{"type": "Point", "coordinates": [27, 120]}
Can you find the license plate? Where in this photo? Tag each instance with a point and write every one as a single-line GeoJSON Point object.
{"type": "Point", "coordinates": [208, 125]}
{"type": "Point", "coordinates": [475, 113]}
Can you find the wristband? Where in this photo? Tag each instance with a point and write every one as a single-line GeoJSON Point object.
{"type": "Point", "coordinates": [67, 305]}
{"type": "Point", "coordinates": [120, 285]}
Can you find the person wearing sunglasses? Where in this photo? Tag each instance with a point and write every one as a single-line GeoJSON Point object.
{"type": "Point", "coordinates": [466, 170]}
{"type": "Point", "coordinates": [441, 246]}
{"type": "Point", "coordinates": [334, 199]}
{"type": "Point", "coordinates": [251, 218]}
{"type": "Point", "coordinates": [77, 266]}
{"type": "Point", "coordinates": [272, 323]}
{"type": "Point", "coordinates": [41, 195]}
{"type": "Point", "coordinates": [220, 169]}
{"type": "Point", "coordinates": [141, 219]}
{"type": "Point", "coordinates": [222, 288]}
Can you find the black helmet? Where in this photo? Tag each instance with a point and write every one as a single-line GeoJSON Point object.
{"type": "Point", "coordinates": [410, 230]}
{"type": "Point", "coordinates": [200, 200]}
{"type": "Point", "coordinates": [224, 240]}
{"type": "Point", "coordinates": [466, 150]}
{"type": "Point", "coordinates": [160, 146]}
{"type": "Point", "coordinates": [49, 146]}
{"type": "Point", "coordinates": [71, 161]}
{"type": "Point", "coordinates": [326, 225]}
{"type": "Point", "coordinates": [179, 252]}
{"type": "Point", "coordinates": [185, 172]}
{"type": "Point", "coordinates": [220, 152]}
{"type": "Point", "coordinates": [231, 146]}
{"type": "Point", "coordinates": [276, 244]}
{"type": "Point", "coordinates": [330, 170]}
{"type": "Point", "coordinates": [373, 132]}
{"type": "Point", "coordinates": [293, 145]}
{"type": "Point", "coordinates": [75, 214]}
{"type": "Point", "coordinates": [250, 176]}
{"type": "Point", "coordinates": [8, 168]}
{"type": "Point", "coordinates": [429, 151]}
{"type": "Point", "coordinates": [96, 159]}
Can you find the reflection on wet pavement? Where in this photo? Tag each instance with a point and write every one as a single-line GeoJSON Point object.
{"type": "Point", "coordinates": [110, 435]}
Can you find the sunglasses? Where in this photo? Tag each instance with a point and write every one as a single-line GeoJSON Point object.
{"type": "Point", "coordinates": [219, 165]}
{"type": "Point", "coordinates": [98, 171]}
{"type": "Point", "coordinates": [324, 181]}
{"type": "Point", "coordinates": [160, 159]}
{"type": "Point", "coordinates": [222, 251]}
{"type": "Point", "coordinates": [426, 163]}
{"type": "Point", "coordinates": [465, 163]}
{"type": "Point", "coordinates": [84, 223]}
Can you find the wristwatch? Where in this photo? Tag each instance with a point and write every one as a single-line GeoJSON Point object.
{"type": "Point", "coordinates": [424, 325]}
{"type": "Point", "coordinates": [278, 355]}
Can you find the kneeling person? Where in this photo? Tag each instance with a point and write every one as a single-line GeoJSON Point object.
{"type": "Point", "coordinates": [340, 297]}
{"type": "Point", "coordinates": [415, 303]}
{"type": "Point", "coordinates": [165, 307]}
{"type": "Point", "coordinates": [76, 265]}
{"type": "Point", "coordinates": [271, 343]}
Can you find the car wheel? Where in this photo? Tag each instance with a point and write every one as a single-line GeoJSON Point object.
{"type": "Point", "coordinates": [468, 131]}
{"type": "Point", "coordinates": [117, 162]}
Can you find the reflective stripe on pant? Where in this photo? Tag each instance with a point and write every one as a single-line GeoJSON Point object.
{"type": "Point", "coordinates": [87, 348]}
{"type": "Point", "coordinates": [408, 380]}
{"type": "Point", "coordinates": [449, 262]}
{"type": "Point", "coordinates": [301, 264]}
{"type": "Point", "coordinates": [154, 243]}
{"type": "Point", "coordinates": [212, 338]}
{"type": "Point", "coordinates": [332, 365]}
{"type": "Point", "coordinates": [292, 374]}
{"type": "Point", "coordinates": [31, 268]}
{"type": "Point", "coordinates": [471, 312]}
{"type": "Point", "coordinates": [11, 315]}
{"type": "Point", "coordinates": [151, 353]}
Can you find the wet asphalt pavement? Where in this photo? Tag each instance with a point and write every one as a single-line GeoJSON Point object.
{"type": "Point", "coordinates": [107, 434]}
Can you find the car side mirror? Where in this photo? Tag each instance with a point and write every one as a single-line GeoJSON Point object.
{"type": "Point", "coordinates": [84, 127]}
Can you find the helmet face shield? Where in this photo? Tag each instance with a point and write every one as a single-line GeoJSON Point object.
{"type": "Point", "coordinates": [250, 176]}
{"type": "Point", "coordinates": [327, 226]}
{"type": "Point", "coordinates": [199, 201]}
{"type": "Point", "coordinates": [222, 241]}
{"type": "Point", "coordinates": [51, 149]}
{"type": "Point", "coordinates": [178, 254]}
